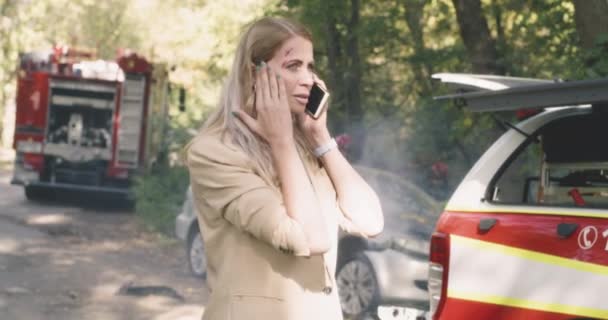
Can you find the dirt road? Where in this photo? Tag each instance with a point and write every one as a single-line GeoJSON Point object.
{"type": "Point", "coordinates": [69, 259]}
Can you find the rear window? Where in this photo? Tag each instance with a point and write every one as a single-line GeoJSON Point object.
{"type": "Point", "coordinates": [564, 164]}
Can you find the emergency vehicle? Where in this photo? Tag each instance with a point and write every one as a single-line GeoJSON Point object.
{"type": "Point", "coordinates": [525, 234]}
{"type": "Point", "coordinates": [86, 124]}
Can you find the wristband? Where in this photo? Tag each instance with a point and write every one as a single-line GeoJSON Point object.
{"type": "Point", "coordinates": [325, 148]}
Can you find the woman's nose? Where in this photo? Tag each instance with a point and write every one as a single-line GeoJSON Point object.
{"type": "Point", "coordinates": [307, 78]}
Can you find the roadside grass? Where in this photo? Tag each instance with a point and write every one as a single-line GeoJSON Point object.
{"type": "Point", "coordinates": [159, 196]}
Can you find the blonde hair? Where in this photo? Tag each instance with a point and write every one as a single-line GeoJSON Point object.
{"type": "Point", "coordinates": [261, 40]}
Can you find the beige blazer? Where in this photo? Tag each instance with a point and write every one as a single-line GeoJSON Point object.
{"type": "Point", "coordinates": [259, 265]}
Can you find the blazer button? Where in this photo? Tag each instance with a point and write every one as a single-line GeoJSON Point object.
{"type": "Point", "coordinates": [327, 290]}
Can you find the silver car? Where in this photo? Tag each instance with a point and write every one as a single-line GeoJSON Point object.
{"type": "Point", "coordinates": [187, 230]}
{"type": "Point", "coordinates": [390, 270]}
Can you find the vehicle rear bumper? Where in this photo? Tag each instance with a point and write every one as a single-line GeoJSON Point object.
{"type": "Point", "coordinates": [127, 193]}
{"type": "Point", "coordinates": [31, 178]}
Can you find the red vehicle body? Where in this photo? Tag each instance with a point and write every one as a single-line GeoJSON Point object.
{"type": "Point", "coordinates": [525, 234]}
{"type": "Point", "coordinates": [85, 124]}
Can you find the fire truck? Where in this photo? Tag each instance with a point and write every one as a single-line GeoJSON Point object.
{"type": "Point", "coordinates": [84, 124]}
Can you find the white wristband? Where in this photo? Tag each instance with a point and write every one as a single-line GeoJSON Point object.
{"type": "Point", "coordinates": [325, 148]}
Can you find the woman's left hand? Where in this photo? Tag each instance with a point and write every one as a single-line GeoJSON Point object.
{"type": "Point", "coordinates": [315, 130]}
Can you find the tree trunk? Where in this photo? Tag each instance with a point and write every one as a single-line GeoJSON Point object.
{"type": "Point", "coordinates": [7, 73]}
{"type": "Point", "coordinates": [334, 56]}
{"type": "Point", "coordinates": [475, 34]}
{"type": "Point", "coordinates": [414, 10]}
{"type": "Point", "coordinates": [353, 83]}
{"type": "Point", "coordinates": [590, 17]}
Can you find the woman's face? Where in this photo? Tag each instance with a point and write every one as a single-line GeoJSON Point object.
{"type": "Point", "coordinates": [294, 63]}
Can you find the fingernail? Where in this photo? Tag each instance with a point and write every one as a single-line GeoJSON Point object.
{"type": "Point", "coordinates": [278, 77]}
{"type": "Point", "coordinates": [234, 114]}
{"type": "Point", "coordinates": [263, 64]}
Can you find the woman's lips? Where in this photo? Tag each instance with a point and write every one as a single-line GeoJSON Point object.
{"type": "Point", "coordinates": [302, 99]}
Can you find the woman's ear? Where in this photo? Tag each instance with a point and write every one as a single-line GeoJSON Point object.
{"type": "Point", "coordinates": [253, 76]}
{"type": "Point", "coordinates": [252, 68]}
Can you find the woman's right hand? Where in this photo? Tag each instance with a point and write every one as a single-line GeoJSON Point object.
{"type": "Point", "coordinates": [273, 122]}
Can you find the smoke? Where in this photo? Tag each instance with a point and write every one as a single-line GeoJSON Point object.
{"type": "Point", "coordinates": [385, 162]}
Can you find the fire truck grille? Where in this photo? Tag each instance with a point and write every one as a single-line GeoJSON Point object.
{"type": "Point", "coordinates": [77, 177]}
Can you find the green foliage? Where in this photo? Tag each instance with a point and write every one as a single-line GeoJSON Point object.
{"type": "Point", "coordinates": [537, 38]}
{"type": "Point", "coordinates": [195, 38]}
{"type": "Point", "coordinates": [400, 45]}
{"type": "Point", "coordinates": [597, 58]}
{"type": "Point", "coordinates": [160, 191]}
{"type": "Point", "coordinates": [159, 195]}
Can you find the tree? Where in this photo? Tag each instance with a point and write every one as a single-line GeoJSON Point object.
{"type": "Point", "coordinates": [414, 15]}
{"type": "Point", "coordinates": [15, 34]}
{"type": "Point", "coordinates": [354, 111]}
{"type": "Point", "coordinates": [481, 47]}
{"type": "Point", "coordinates": [337, 28]}
{"type": "Point", "coordinates": [334, 51]}
{"type": "Point", "coordinates": [592, 29]}
{"type": "Point", "coordinates": [590, 17]}
{"type": "Point", "coordinates": [8, 49]}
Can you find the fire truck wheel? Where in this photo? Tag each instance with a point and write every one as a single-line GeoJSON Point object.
{"type": "Point", "coordinates": [358, 287]}
{"type": "Point", "coordinates": [37, 194]}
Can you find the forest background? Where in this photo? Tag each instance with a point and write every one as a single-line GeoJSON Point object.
{"type": "Point", "coordinates": [377, 58]}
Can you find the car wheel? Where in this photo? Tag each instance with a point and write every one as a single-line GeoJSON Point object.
{"type": "Point", "coordinates": [358, 287]}
{"type": "Point", "coordinates": [197, 261]}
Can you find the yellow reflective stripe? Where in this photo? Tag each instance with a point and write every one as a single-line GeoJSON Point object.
{"type": "Point", "coordinates": [520, 303]}
{"type": "Point", "coordinates": [517, 210]}
{"type": "Point", "coordinates": [532, 255]}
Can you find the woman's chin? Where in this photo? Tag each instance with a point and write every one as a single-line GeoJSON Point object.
{"type": "Point", "coordinates": [298, 109]}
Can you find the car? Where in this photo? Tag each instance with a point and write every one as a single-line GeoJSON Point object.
{"type": "Point", "coordinates": [389, 271]}
{"type": "Point", "coordinates": [524, 234]}
{"type": "Point", "coordinates": [188, 231]}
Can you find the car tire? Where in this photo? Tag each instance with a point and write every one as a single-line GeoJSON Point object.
{"type": "Point", "coordinates": [358, 287]}
{"type": "Point", "coordinates": [195, 251]}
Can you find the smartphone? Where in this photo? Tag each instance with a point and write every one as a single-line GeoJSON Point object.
{"type": "Point", "coordinates": [317, 99]}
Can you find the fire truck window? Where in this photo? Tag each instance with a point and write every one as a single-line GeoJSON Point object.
{"type": "Point", "coordinates": [563, 169]}
{"type": "Point", "coordinates": [578, 185]}
{"type": "Point", "coordinates": [514, 183]}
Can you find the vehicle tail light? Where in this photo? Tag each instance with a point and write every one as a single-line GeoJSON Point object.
{"type": "Point", "coordinates": [33, 161]}
{"type": "Point", "coordinates": [119, 173]}
{"type": "Point", "coordinates": [438, 271]}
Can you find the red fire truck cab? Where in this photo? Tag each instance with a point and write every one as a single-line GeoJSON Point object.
{"type": "Point", "coordinates": [85, 124]}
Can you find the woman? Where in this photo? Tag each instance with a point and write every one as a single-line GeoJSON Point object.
{"type": "Point", "coordinates": [269, 207]}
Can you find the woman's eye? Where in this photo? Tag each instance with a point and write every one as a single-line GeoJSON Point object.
{"type": "Point", "coordinates": [293, 67]}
